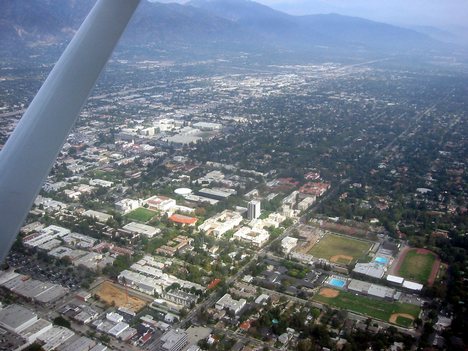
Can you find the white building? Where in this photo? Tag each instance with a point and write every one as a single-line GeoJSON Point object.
{"type": "Point", "coordinates": [161, 203]}
{"type": "Point", "coordinates": [306, 203]}
{"type": "Point", "coordinates": [207, 126]}
{"type": "Point", "coordinates": [16, 318]}
{"type": "Point", "coordinates": [253, 210]}
{"type": "Point", "coordinates": [291, 199]}
{"type": "Point", "coordinates": [101, 183]}
{"type": "Point", "coordinates": [114, 317]}
{"type": "Point", "coordinates": [288, 243]}
{"type": "Point", "coordinates": [141, 229]}
{"type": "Point", "coordinates": [35, 330]}
{"type": "Point", "coordinates": [227, 302]}
{"type": "Point", "coordinates": [174, 340]}
{"type": "Point", "coordinates": [127, 205]}
{"type": "Point", "coordinates": [221, 223]}
{"type": "Point", "coordinates": [45, 235]}
{"type": "Point", "coordinates": [255, 236]}
{"type": "Point", "coordinates": [99, 216]}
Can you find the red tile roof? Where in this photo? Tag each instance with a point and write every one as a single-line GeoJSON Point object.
{"type": "Point", "coordinates": [177, 218]}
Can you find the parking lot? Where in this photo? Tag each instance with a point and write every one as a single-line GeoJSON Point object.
{"type": "Point", "coordinates": [67, 276]}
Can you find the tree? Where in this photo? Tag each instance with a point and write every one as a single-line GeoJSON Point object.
{"type": "Point", "coordinates": [305, 345]}
{"type": "Point", "coordinates": [62, 322]}
{"type": "Point", "coordinates": [34, 347]}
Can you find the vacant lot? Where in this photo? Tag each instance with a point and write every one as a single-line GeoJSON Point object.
{"type": "Point", "coordinates": [417, 265]}
{"type": "Point", "coordinates": [393, 312]}
{"type": "Point", "coordinates": [141, 214]}
{"type": "Point", "coordinates": [114, 294]}
{"type": "Point", "coordinates": [340, 249]}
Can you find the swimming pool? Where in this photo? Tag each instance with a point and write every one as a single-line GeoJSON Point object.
{"type": "Point", "coordinates": [381, 260]}
{"type": "Point", "coordinates": [337, 282]}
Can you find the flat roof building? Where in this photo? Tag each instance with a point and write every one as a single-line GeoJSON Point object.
{"type": "Point", "coordinates": [174, 340]}
{"type": "Point", "coordinates": [215, 193]}
{"type": "Point", "coordinates": [395, 279]}
{"type": "Point", "coordinates": [412, 285]}
{"type": "Point", "coordinates": [227, 302]}
{"type": "Point", "coordinates": [141, 229]}
{"type": "Point", "coordinates": [372, 269]}
{"type": "Point", "coordinates": [99, 216]}
{"type": "Point", "coordinates": [255, 236]}
{"type": "Point", "coordinates": [16, 318]}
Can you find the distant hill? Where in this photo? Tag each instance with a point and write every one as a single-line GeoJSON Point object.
{"type": "Point", "coordinates": [239, 24]}
{"type": "Point", "coordinates": [325, 29]}
{"type": "Point", "coordinates": [36, 22]}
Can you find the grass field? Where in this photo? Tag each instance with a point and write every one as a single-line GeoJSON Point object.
{"type": "Point", "coordinates": [417, 266]}
{"type": "Point", "coordinates": [375, 308]}
{"type": "Point", "coordinates": [141, 214]}
{"type": "Point", "coordinates": [340, 249]}
{"type": "Point", "coordinates": [405, 322]}
{"type": "Point", "coordinates": [115, 295]}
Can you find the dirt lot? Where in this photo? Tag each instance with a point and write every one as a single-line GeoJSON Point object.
{"type": "Point", "coordinates": [327, 292]}
{"type": "Point", "coordinates": [115, 294]}
{"type": "Point", "coordinates": [341, 259]}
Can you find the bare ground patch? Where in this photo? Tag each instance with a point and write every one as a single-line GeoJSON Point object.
{"type": "Point", "coordinates": [113, 294]}
{"type": "Point", "coordinates": [341, 259]}
{"type": "Point", "coordinates": [327, 292]}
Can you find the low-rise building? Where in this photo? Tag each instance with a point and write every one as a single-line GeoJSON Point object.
{"type": "Point", "coordinates": [16, 318]}
{"type": "Point", "coordinates": [99, 216]}
{"type": "Point", "coordinates": [161, 203]}
{"type": "Point", "coordinates": [227, 302]}
{"type": "Point", "coordinates": [255, 236]}
{"type": "Point", "coordinates": [183, 220]}
{"type": "Point", "coordinates": [306, 203]}
{"type": "Point", "coordinates": [127, 205]}
{"type": "Point", "coordinates": [175, 245]}
{"type": "Point", "coordinates": [174, 340]}
{"type": "Point", "coordinates": [100, 182]}
{"type": "Point", "coordinates": [221, 223]}
{"type": "Point", "coordinates": [135, 228]}
{"type": "Point", "coordinates": [288, 243]}
{"type": "Point", "coordinates": [179, 297]}
{"type": "Point", "coordinates": [372, 269]}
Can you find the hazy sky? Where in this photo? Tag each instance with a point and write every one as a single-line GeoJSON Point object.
{"type": "Point", "coordinates": [408, 12]}
{"type": "Point", "coordinates": [440, 13]}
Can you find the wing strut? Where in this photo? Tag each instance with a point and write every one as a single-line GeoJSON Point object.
{"type": "Point", "coordinates": [30, 152]}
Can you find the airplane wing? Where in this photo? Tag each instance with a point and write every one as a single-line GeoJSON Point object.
{"type": "Point", "coordinates": [31, 150]}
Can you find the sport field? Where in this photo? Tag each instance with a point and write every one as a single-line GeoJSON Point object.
{"type": "Point", "coordinates": [417, 265]}
{"type": "Point", "coordinates": [141, 214]}
{"type": "Point", "coordinates": [393, 312]}
{"type": "Point", "coordinates": [406, 322]}
{"type": "Point", "coordinates": [114, 294]}
{"type": "Point", "coordinates": [340, 249]}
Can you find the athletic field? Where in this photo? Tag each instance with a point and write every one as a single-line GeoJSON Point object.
{"type": "Point", "coordinates": [340, 249]}
{"type": "Point", "coordinates": [398, 313]}
{"type": "Point", "coordinates": [141, 214]}
{"type": "Point", "coordinates": [418, 265]}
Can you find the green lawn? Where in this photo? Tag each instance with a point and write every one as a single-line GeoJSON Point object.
{"type": "Point", "coordinates": [375, 308]}
{"type": "Point", "coordinates": [141, 214]}
{"type": "Point", "coordinates": [405, 322]}
{"type": "Point", "coordinates": [417, 267]}
{"type": "Point", "coordinates": [333, 245]}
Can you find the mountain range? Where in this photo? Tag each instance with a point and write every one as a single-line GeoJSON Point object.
{"type": "Point", "coordinates": [242, 24]}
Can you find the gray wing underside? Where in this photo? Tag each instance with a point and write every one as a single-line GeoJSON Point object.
{"type": "Point", "coordinates": [31, 150]}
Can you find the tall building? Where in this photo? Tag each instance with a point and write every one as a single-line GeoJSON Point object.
{"type": "Point", "coordinates": [253, 209]}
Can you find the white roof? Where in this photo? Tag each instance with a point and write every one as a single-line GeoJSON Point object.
{"type": "Point", "coordinates": [395, 279]}
{"type": "Point", "coordinates": [412, 285]}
